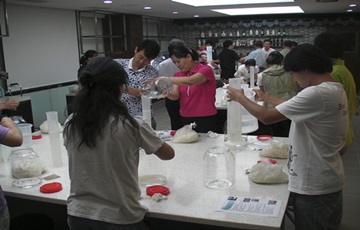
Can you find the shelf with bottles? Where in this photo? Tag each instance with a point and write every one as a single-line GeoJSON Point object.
{"type": "Point", "coordinates": [238, 42]}
{"type": "Point", "coordinates": [250, 32]}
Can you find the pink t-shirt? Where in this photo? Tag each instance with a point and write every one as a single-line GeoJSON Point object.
{"type": "Point", "coordinates": [198, 100]}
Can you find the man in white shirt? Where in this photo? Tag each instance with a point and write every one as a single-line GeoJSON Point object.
{"type": "Point", "coordinates": [319, 115]}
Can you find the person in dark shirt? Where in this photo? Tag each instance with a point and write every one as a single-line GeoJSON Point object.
{"type": "Point", "coordinates": [227, 58]}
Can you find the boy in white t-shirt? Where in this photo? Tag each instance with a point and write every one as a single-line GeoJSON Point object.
{"type": "Point", "coordinates": [319, 115]}
{"type": "Point", "coordinates": [243, 71]}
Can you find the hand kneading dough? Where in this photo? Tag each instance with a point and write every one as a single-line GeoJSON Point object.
{"type": "Point", "coordinates": [276, 149]}
{"type": "Point", "coordinates": [267, 173]}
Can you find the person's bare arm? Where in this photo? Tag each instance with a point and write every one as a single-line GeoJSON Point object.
{"type": "Point", "coordinates": [174, 94]}
{"type": "Point", "coordinates": [265, 115]}
{"type": "Point", "coordinates": [13, 137]}
{"type": "Point", "coordinates": [165, 152]}
{"type": "Point", "coordinates": [195, 79]}
{"type": "Point", "coordinates": [262, 96]}
{"type": "Point", "coordinates": [10, 104]}
{"type": "Point", "coordinates": [133, 92]}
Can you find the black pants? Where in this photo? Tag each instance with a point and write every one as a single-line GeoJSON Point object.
{"type": "Point", "coordinates": [203, 124]}
{"type": "Point", "coordinates": [173, 109]}
{"type": "Point", "coordinates": [279, 129]}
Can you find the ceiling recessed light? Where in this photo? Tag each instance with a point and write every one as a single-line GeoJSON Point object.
{"type": "Point", "coordinates": [261, 10]}
{"type": "Point", "coordinates": [175, 12]}
{"type": "Point", "coordinates": [196, 16]}
{"type": "Point", "coordinates": [227, 2]}
{"type": "Point", "coordinates": [107, 1]}
{"type": "Point", "coordinates": [352, 5]}
{"type": "Point", "coordinates": [349, 10]}
{"type": "Point", "coordinates": [147, 7]}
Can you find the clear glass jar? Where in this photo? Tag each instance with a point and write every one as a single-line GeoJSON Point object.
{"type": "Point", "coordinates": [25, 163]}
{"type": "Point", "coordinates": [156, 88]}
{"type": "Point", "coordinates": [218, 167]}
{"type": "Point", "coordinates": [26, 167]}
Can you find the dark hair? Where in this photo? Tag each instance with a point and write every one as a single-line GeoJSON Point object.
{"type": "Point", "coordinates": [227, 43]}
{"type": "Point", "coordinates": [258, 43]}
{"type": "Point", "coordinates": [175, 42]}
{"type": "Point", "coordinates": [250, 62]}
{"type": "Point", "coordinates": [210, 42]}
{"type": "Point", "coordinates": [97, 100]}
{"type": "Point", "coordinates": [182, 51]}
{"type": "Point", "coordinates": [151, 48]}
{"type": "Point", "coordinates": [288, 43]}
{"type": "Point", "coordinates": [331, 44]}
{"type": "Point", "coordinates": [268, 40]}
{"type": "Point", "coordinates": [275, 58]}
{"type": "Point", "coordinates": [307, 57]}
{"type": "Point", "coordinates": [88, 54]}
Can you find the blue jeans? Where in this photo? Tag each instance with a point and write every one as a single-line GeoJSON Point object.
{"type": "Point", "coordinates": [317, 212]}
{"type": "Point", "coordinates": [78, 223]}
{"type": "Point", "coordinates": [5, 220]}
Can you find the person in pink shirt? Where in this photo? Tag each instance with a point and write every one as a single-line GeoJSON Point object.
{"type": "Point", "coordinates": [195, 86]}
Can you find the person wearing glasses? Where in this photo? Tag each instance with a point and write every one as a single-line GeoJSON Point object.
{"type": "Point", "coordinates": [139, 69]}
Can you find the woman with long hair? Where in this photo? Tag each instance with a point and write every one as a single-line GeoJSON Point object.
{"type": "Point", "coordinates": [103, 142]}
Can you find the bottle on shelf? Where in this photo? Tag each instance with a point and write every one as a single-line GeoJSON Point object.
{"type": "Point", "coordinates": [199, 43]}
{"type": "Point", "coordinates": [261, 32]}
{"type": "Point", "coordinates": [237, 33]}
{"type": "Point", "coordinates": [210, 34]}
{"type": "Point", "coordinates": [202, 34]}
{"type": "Point", "coordinates": [251, 32]}
{"type": "Point", "coordinates": [256, 32]}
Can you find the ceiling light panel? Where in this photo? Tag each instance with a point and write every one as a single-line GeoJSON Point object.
{"type": "Point", "coordinates": [228, 2]}
{"type": "Point", "coordinates": [261, 10]}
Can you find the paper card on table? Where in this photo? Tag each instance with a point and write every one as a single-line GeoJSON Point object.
{"type": "Point", "coordinates": [249, 205]}
{"type": "Point", "coordinates": [51, 177]}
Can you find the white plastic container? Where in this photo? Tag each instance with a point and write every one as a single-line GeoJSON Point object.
{"type": "Point", "coordinates": [249, 123]}
{"type": "Point", "coordinates": [239, 120]}
{"type": "Point", "coordinates": [25, 129]}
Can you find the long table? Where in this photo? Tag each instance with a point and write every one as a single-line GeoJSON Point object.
{"type": "Point", "coordinates": [189, 200]}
